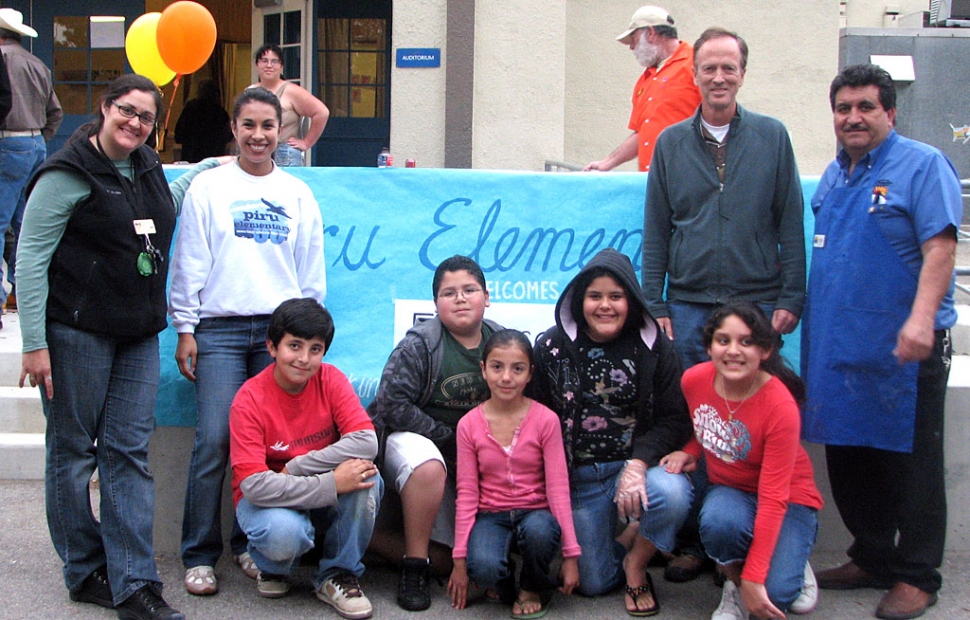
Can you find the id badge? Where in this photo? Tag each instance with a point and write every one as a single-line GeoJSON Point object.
{"type": "Point", "coordinates": [144, 227]}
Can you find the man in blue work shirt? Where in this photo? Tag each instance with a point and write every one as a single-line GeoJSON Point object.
{"type": "Point", "coordinates": [877, 345]}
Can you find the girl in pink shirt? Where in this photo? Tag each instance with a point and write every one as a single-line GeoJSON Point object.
{"type": "Point", "coordinates": [513, 489]}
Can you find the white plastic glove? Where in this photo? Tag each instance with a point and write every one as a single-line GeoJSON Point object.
{"type": "Point", "coordinates": [631, 490]}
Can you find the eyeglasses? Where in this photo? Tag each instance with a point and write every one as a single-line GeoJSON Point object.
{"type": "Point", "coordinates": [273, 62]}
{"type": "Point", "coordinates": [129, 112]}
{"type": "Point", "coordinates": [451, 294]}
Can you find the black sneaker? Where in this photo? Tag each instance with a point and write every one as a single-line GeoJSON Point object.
{"type": "Point", "coordinates": [412, 590]}
{"type": "Point", "coordinates": [95, 589]}
{"type": "Point", "coordinates": [144, 604]}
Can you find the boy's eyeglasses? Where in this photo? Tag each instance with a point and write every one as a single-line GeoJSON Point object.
{"type": "Point", "coordinates": [468, 292]}
{"type": "Point", "coordinates": [269, 61]}
{"type": "Point", "coordinates": [129, 112]}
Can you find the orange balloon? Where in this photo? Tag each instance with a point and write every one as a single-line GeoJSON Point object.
{"type": "Point", "coordinates": [186, 36]}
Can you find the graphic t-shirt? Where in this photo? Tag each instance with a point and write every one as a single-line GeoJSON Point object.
{"type": "Point", "coordinates": [609, 400]}
{"type": "Point", "coordinates": [460, 385]}
{"type": "Point", "coordinates": [755, 448]}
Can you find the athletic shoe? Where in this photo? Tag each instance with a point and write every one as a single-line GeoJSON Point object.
{"type": "Point", "coordinates": [343, 593]}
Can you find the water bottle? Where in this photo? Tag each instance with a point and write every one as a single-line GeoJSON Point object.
{"type": "Point", "coordinates": [385, 159]}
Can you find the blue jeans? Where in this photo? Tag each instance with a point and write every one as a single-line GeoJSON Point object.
{"type": "Point", "coordinates": [592, 488]}
{"type": "Point", "coordinates": [102, 416]}
{"type": "Point", "coordinates": [19, 159]}
{"type": "Point", "coordinates": [286, 155]}
{"type": "Point", "coordinates": [727, 528]}
{"type": "Point", "coordinates": [536, 535]}
{"type": "Point", "coordinates": [230, 351]}
{"type": "Point", "coordinates": [279, 536]}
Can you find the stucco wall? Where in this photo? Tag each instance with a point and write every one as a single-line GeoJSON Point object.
{"type": "Point", "coordinates": [793, 57]}
{"type": "Point", "coordinates": [552, 83]}
{"type": "Point", "coordinates": [418, 95]}
{"type": "Point", "coordinates": [872, 14]}
{"type": "Point", "coordinates": [519, 117]}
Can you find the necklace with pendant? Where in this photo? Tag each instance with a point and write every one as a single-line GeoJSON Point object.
{"type": "Point", "coordinates": [747, 394]}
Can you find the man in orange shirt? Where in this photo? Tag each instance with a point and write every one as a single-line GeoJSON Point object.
{"type": "Point", "coordinates": [665, 94]}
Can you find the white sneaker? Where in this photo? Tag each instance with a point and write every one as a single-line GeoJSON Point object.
{"type": "Point", "coordinates": [731, 607]}
{"type": "Point", "coordinates": [343, 593]}
{"type": "Point", "coordinates": [808, 599]}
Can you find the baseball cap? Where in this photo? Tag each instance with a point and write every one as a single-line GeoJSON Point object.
{"type": "Point", "coordinates": [644, 17]}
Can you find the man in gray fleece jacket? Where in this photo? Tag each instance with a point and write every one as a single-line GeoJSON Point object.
{"type": "Point", "coordinates": [723, 221]}
{"type": "Point", "coordinates": [724, 217]}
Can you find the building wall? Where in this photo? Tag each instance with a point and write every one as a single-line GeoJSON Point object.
{"type": "Point", "coordinates": [870, 14]}
{"type": "Point", "coordinates": [554, 84]}
{"type": "Point", "coordinates": [793, 57]}
{"type": "Point", "coordinates": [520, 92]}
{"type": "Point", "coordinates": [418, 95]}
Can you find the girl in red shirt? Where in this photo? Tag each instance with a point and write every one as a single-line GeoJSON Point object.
{"type": "Point", "coordinates": [762, 496]}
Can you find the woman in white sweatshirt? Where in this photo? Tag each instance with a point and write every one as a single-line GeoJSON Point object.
{"type": "Point", "coordinates": [250, 237]}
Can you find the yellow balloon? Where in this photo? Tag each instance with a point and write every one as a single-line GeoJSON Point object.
{"type": "Point", "coordinates": [141, 48]}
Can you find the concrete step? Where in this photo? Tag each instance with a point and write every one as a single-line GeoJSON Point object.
{"type": "Point", "coordinates": [22, 456]}
{"type": "Point", "coordinates": [10, 349]}
{"type": "Point", "coordinates": [21, 410]}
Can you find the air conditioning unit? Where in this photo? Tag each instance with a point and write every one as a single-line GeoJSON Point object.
{"type": "Point", "coordinates": [950, 12]}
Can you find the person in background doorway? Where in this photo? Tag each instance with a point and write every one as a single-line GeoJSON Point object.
{"type": "Point", "coordinates": [203, 127]}
{"type": "Point", "coordinates": [297, 103]}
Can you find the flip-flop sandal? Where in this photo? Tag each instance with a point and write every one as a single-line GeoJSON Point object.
{"type": "Point", "coordinates": [201, 581]}
{"type": "Point", "coordinates": [545, 598]}
{"type": "Point", "coordinates": [635, 593]}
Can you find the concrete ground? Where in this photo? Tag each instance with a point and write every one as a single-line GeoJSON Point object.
{"type": "Point", "coordinates": [32, 586]}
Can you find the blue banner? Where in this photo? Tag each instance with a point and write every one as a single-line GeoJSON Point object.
{"type": "Point", "coordinates": [387, 229]}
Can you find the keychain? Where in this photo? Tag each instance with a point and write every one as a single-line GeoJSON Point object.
{"type": "Point", "coordinates": [149, 259]}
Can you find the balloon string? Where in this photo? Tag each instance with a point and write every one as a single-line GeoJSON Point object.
{"type": "Point", "coordinates": [168, 112]}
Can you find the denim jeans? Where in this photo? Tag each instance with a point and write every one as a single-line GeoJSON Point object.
{"type": "Point", "coordinates": [230, 351]}
{"type": "Point", "coordinates": [19, 159]}
{"type": "Point", "coordinates": [727, 529]}
{"type": "Point", "coordinates": [102, 416]}
{"type": "Point", "coordinates": [279, 536]}
{"type": "Point", "coordinates": [536, 535]}
{"type": "Point", "coordinates": [592, 488]}
{"type": "Point", "coordinates": [287, 156]}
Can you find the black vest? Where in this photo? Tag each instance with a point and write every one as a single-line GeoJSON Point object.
{"type": "Point", "coordinates": [94, 280]}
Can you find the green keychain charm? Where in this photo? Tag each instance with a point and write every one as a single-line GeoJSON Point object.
{"type": "Point", "coordinates": [145, 263]}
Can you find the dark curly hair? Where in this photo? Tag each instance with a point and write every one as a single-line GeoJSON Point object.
{"type": "Point", "coordinates": [764, 336]}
